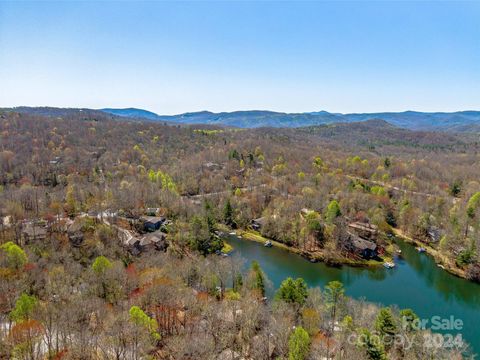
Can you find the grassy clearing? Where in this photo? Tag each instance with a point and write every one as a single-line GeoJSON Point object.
{"type": "Point", "coordinates": [227, 248]}
{"type": "Point", "coordinates": [389, 250]}
{"type": "Point", "coordinates": [255, 236]}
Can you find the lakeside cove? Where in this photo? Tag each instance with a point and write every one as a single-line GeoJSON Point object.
{"type": "Point", "coordinates": [442, 262]}
{"type": "Point", "coordinates": [316, 256]}
{"type": "Point", "coordinates": [416, 281]}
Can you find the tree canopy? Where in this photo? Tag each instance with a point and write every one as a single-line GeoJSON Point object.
{"type": "Point", "coordinates": [15, 255]}
{"type": "Point", "coordinates": [293, 291]}
{"type": "Point", "coordinates": [298, 344]}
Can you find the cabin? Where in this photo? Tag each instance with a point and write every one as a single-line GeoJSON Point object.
{"type": "Point", "coordinates": [362, 247]}
{"type": "Point", "coordinates": [152, 223]}
{"type": "Point", "coordinates": [33, 231]}
{"type": "Point", "coordinates": [257, 224]}
{"type": "Point", "coordinates": [364, 230]}
{"type": "Point", "coordinates": [154, 241]}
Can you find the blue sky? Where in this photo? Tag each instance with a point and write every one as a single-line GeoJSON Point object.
{"type": "Point", "coordinates": [174, 57]}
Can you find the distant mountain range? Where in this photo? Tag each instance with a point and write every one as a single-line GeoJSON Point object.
{"type": "Point", "coordinates": [460, 121]}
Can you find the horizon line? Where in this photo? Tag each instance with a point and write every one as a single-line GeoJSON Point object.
{"type": "Point", "coordinates": [238, 110]}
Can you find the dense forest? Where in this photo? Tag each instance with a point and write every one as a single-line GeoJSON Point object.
{"type": "Point", "coordinates": [112, 235]}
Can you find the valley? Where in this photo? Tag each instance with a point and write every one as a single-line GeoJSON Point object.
{"type": "Point", "coordinates": [132, 209]}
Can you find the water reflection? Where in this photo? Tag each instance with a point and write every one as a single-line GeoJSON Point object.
{"type": "Point", "coordinates": [451, 288]}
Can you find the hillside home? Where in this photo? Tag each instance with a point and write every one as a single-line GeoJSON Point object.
{"type": "Point", "coordinates": [152, 223]}
{"type": "Point", "coordinates": [152, 241]}
{"type": "Point", "coordinates": [155, 241]}
{"type": "Point", "coordinates": [362, 247]}
{"type": "Point", "coordinates": [75, 233]}
{"type": "Point", "coordinates": [33, 231]}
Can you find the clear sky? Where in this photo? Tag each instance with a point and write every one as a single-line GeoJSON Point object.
{"type": "Point", "coordinates": [174, 57]}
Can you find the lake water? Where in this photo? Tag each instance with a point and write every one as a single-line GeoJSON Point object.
{"type": "Point", "coordinates": [416, 282]}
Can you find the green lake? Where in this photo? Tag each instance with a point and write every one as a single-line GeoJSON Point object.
{"type": "Point", "coordinates": [416, 282]}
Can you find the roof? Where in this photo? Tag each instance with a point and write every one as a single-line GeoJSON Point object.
{"type": "Point", "coordinates": [131, 241]}
{"type": "Point", "coordinates": [363, 226]}
{"type": "Point", "coordinates": [34, 230]}
{"type": "Point", "coordinates": [154, 237]}
{"type": "Point", "coordinates": [362, 244]}
{"type": "Point", "coordinates": [153, 219]}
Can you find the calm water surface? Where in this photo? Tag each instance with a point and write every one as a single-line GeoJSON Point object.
{"type": "Point", "coordinates": [416, 282]}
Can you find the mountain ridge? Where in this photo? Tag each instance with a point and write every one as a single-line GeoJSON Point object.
{"type": "Point", "coordinates": [460, 121]}
{"type": "Point", "coordinates": [414, 120]}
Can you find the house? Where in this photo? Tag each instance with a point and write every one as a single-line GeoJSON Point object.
{"type": "Point", "coordinates": [156, 240]}
{"type": "Point", "coordinates": [257, 224]}
{"type": "Point", "coordinates": [153, 241]}
{"type": "Point", "coordinates": [75, 233]}
{"type": "Point", "coordinates": [152, 223]}
{"type": "Point", "coordinates": [364, 230]}
{"type": "Point", "coordinates": [362, 247]}
{"type": "Point", "coordinates": [133, 246]}
{"type": "Point", "coordinates": [34, 231]}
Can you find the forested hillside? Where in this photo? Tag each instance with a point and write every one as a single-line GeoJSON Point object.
{"type": "Point", "coordinates": [113, 247]}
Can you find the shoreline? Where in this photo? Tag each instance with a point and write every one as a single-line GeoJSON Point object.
{"type": "Point", "coordinates": [441, 261]}
{"type": "Point", "coordinates": [312, 257]}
